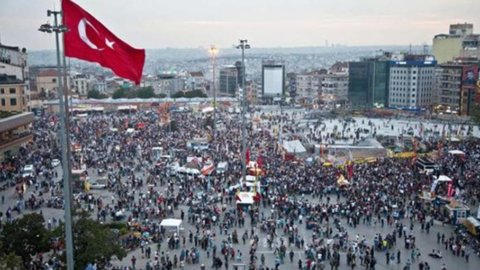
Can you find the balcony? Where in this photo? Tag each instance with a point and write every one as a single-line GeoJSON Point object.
{"type": "Point", "coordinates": [15, 140]}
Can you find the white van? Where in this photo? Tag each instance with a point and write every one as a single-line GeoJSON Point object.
{"type": "Point", "coordinates": [28, 171]}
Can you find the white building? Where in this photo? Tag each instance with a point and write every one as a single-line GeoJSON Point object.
{"type": "Point", "coordinates": [411, 82]}
{"type": "Point", "coordinates": [196, 81]}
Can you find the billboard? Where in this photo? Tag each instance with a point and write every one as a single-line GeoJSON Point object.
{"type": "Point", "coordinates": [470, 75]}
{"type": "Point", "coordinates": [273, 80]}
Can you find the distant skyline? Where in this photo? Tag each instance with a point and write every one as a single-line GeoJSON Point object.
{"type": "Point", "coordinates": [265, 23]}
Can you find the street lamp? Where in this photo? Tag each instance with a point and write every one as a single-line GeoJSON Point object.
{"type": "Point", "coordinates": [58, 29]}
{"type": "Point", "coordinates": [243, 46]}
{"type": "Point", "coordinates": [213, 53]}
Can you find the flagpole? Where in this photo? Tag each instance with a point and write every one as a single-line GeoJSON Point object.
{"type": "Point", "coordinates": [63, 134]}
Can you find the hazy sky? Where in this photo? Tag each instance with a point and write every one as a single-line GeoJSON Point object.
{"type": "Point", "coordinates": [265, 23]}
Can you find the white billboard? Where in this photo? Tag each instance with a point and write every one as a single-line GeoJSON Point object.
{"type": "Point", "coordinates": [273, 80]}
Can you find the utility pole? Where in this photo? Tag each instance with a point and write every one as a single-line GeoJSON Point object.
{"type": "Point", "coordinates": [213, 53]}
{"type": "Point", "coordinates": [243, 46]}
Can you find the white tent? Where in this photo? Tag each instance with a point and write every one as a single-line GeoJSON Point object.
{"type": "Point", "coordinates": [294, 147]}
{"type": "Point", "coordinates": [444, 178]}
{"type": "Point", "coordinates": [456, 152]}
{"type": "Point", "coordinates": [245, 198]}
{"type": "Point", "coordinates": [172, 224]}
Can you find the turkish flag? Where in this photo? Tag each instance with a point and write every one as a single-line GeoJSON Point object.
{"type": "Point", "coordinates": [89, 40]}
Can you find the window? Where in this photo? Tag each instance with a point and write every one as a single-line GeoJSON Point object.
{"type": "Point", "coordinates": [13, 102]}
{"type": "Point", "coordinates": [2, 91]}
{"type": "Point", "coordinates": [54, 80]}
{"type": "Point", "coordinates": [13, 91]}
{"type": "Point", "coordinates": [3, 102]}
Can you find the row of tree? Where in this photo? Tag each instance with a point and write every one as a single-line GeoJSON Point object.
{"type": "Point", "coordinates": [143, 92]}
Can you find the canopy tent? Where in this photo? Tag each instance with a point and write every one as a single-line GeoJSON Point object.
{"type": "Point", "coordinates": [172, 224]}
{"type": "Point", "coordinates": [294, 147]}
{"type": "Point", "coordinates": [245, 197]}
{"type": "Point", "coordinates": [444, 178]}
{"type": "Point", "coordinates": [456, 152]}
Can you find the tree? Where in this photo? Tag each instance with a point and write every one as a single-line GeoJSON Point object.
{"type": "Point", "coordinates": [178, 94]}
{"type": "Point", "coordinates": [475, 114]}
{"type": "Point", "coordinates": [94, 242]}
{"type": "Point", "coordinates": [95, 94]}
{"type": "Point", "coordinates": [119, 93]}
{"type": "Point", "coordinates": [195, 93]}
{"type": "Point", "coordinates": [25, 237]}
{"type": "Point", "coordinates": [145, 92]}
{"type": "Point", "coordinates": [161, 95]}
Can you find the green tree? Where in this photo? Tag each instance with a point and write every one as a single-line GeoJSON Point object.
{"type": "Point", "coordinates": [475, 114]}
{"type": "Point", "coordinates": [178, 94]}
{"type": "Point", "coordinates": [25, 237]}
{"type": "Point", "coordinates": [194, 93]}
{"type": "Point", "coordinates": [145, 92]}
{"type": "Point", "coordinates": [94, 242]}
{"type": "Point", "coordinates": [119, 93]}
{"type": "Point", "coordinates": [95, 94]}
{"type": "Point", "coordinates": [162, 95]}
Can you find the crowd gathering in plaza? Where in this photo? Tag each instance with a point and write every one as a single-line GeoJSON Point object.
{"type": "Point", "coordinates": [302, 218]}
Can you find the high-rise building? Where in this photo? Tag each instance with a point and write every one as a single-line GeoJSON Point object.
{"type": "Point", "coordinates": [459, 42]}
{"type": "Point", "coordinates": [411, 83]}
{"type": "Point", "coordinates": [368, 82]}
{"type": "Point", "coordinates": [229, 80]}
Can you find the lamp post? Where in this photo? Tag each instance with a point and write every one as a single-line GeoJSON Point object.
{"type": "Point", "coordinates": [243, 46]}
{"type": "Point", "coordinates": [67, 192]}
{"type": "Point", "coordinates": [213, 52]}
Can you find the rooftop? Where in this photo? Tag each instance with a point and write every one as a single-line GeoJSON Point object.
{"type": "Point", "coordinates": [47, 73]}
{"type": "Point", "coordinates": [16, 120]}
{"type": "Point", "coordinates": [7, 114]}
{"type": "Point", "coordinates": [9, 79]}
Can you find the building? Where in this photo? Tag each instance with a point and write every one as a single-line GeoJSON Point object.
{"type": "Point", "coordinates": [309, 85]}
{"type": "Point", "coordinates": [14, 79]}
{"type": "Point", "coordinates": [459, 42]}
{"type": "Point", "coordinates": [47, 83]}
{"type": "Point", "coordinates": [168, 84]}
{"type": "Point", "coordinates": [411, 82]}
{"type": "Point", "coordinates": [335, 88]}
{"type": "Point", "coordinates": [292, 85]}
{"type": "Point", "coordinates": [230, 79]}
{"type": "Point", "coordinates": [81, 84]}
{"type": "Point", "coordinates": [368, 82]}
{"type": "Point", "coordinates": [196, 82]}
{"type": "Point", "coordinates": [14, 132]}
{"type": "Point", "coordinates": [448, 83]}
{"type": "Point", "coordinates": [12, 94]}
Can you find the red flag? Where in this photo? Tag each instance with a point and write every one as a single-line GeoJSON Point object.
{"type": "Point", "coordinates": [247, 156]}
{"type": "Point", "coordinates": [89, 40]}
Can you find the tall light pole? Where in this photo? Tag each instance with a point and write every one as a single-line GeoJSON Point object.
{"type": "Point", "coordinates": [213, 52]}
{"type": "Point", "coordinates": [243, 46]}
{"type": "Point", "coordinates": [67, 192]}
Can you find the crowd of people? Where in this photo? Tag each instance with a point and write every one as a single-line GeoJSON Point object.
{"type": "Point", "coordinates": [302, 215]}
